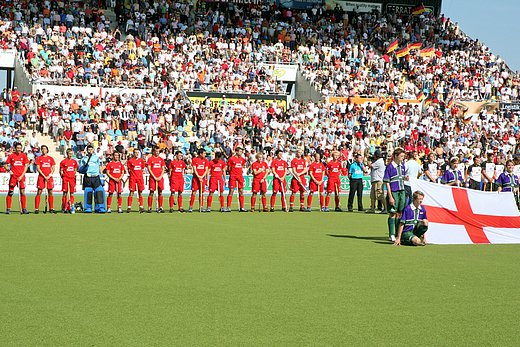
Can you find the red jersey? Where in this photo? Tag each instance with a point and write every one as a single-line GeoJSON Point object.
{"type": "Point", "coordinates": [298, 165]}
{"type": "Point", "coordinates": [334, 169]}
{"type": "Point", "coordinates": [317, 170]}
{"type": "Point", "coordinates": [156, 165]}
{"type": "Point", "coordinates": [17, 163]}
{"type": "Point", "coordinates": [236, 164]}
{"type": "Point", "coordinates": [177, 168]}
{"type": "Point", "coordinates": [200, 165]}
{"type": "Point", "coordinates": [136, 167]}
{"type": "Point", "coordinates": [258, 166]}
{"type": "Point", "coordinates": [68, 167]}
{"type": "Point", "coordinates": [116, 169]}
{"type": "Point", "coordinates": [45, 163]}
{"type": "Point", "coordinates": [279, 166]}
{"type": "Point", "coordinates": [216, 168]}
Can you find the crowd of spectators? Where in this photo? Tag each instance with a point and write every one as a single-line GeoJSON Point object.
{"type": "Point", "coordinates": [170, 47]}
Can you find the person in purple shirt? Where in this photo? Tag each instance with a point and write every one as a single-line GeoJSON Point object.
{"type": "Point", "coordinates": [414, 223]}
{"type": "Point", "coordinates": [396, 196]}
{"type": "Point", "coordinates": [508, 181]}
{"type": "Point", "coordinates": [452, 175]}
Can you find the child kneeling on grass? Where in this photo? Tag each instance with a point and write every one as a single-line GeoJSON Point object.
{"type": "Point", "coordinates": [413, 224]}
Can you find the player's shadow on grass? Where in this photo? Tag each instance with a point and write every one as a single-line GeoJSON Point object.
{"type": "Point", "coordinates": [376, 239]}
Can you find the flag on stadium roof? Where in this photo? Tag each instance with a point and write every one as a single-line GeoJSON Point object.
{"type": "Point", "coordinates": [427, 52]}
{"type": "Point", "coordinates": [416, 11]}
{"type": "Point", "coordinates": [393, 46]}
{"type": "Point", "coordinates": [402, 52]}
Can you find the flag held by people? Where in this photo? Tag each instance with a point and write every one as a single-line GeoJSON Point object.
{"type": "Point", "coordinates": [464, 216]}
{"type": "Point", "coordinates": [402, 52]}
{"type": "Point", "coordinates": [427, 52]}
{"type": "Point", "coordinates": [393, 46]}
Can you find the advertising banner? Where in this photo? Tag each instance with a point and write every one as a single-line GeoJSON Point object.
{"type": "Point", "coordinates": [232, 98]}
{"type": "Point", "coordinates": [510, 106]}
{"type": "Point", "coordinates": [31, 178]}
{"type": "Point", "coordinates": [354, 6]}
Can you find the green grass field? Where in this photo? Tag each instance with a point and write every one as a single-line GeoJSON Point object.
{"type": "Point", "coordinates": [246, 279]}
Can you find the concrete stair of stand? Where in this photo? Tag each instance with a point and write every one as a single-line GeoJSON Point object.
{"type": "Point", "coordinates": [53, 146]}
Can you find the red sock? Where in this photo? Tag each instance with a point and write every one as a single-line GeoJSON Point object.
{"type": "Point", "coordinates": [302, 200]}
{"type": "Point", "coordinates": [71, 200]}
{"type": "Point", "coordinates": [291, 201]}
{"type": "Point", "coordinates": [327, 201]}
{"type": "Point", "coordinates": [192, 200]}
{"type": "Point", "coordinates": [172, 199]}
{"type": "Point", "coordinates": [321, 201]}
{"type": "Point", "coordinates": [309, 200]}
{"type": "Point", "coordinates": [284, 204]}
{"type": "Point", "coordinates": [179, 201]}
{"type": "Point", "coordinates": [241, 201]}
{"type": "Point", "coordinates": [140, 199]}
{"type": "Point", "coordinates": [109, 201]}
{"type": "Point", "coordinates": [161, 200]}
{"type": "Point", "coordinates": [273, 200]}
{"type": "Point", "coordinates": [119, 202]}
{"type": "Point", "coordinates": [51, 202]}
{"type": "Point", "coordinates": [37, 202]}
{"type": "Point", "coordinates": [24, 202]}
{"type": "Point", "coordinates": [229, 200]}
{"type": "Point", "coordinates": [63, 202]}
{"type": "Point", "coordinates": [210, 200]}
{"type": "Point", "coordinates": [264, 202]}
{"type": "Point", "coordinates": [253, 201]}
{"type": "Point", "coordinates": [150, 201]}
{"type": "Point", "coordinates": [336, 201]}
{"type": "Point", "coordinates": [9, 201]}
{"type": "Point", "coordinates": [221, 201]}
{"type": "Point", "coordinates": [130, 198]}
{"type": "Point", "coordinates": [201, 200]}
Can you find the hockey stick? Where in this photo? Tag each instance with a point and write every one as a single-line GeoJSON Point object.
{"type": "Point", "coordinates": [200, 194]}
{"type": "Point", "coordinates": [46, 197]}
{"type": "Point", "coordinates": [283, 194]}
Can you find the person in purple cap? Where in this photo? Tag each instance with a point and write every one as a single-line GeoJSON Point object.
{"type": "Point", "coordinates": [414, 223]}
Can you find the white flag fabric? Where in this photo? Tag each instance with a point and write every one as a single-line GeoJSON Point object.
{"type": "Point", "coordinates": [465, 216]}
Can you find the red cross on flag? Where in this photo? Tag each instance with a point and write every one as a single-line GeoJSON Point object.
{"type": "Point", "coordinates": [465, 216]}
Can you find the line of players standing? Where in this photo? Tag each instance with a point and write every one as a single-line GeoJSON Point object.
{"type": "Point", "coordinates": [204, 171]}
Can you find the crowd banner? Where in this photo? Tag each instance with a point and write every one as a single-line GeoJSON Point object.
{"type": "Point", "coordinates": [354, 6]}
{"type": "Point", "coordinates": [510, 106]}
{"type": "Point", "coordinates": [217, 98]}
{"type": "Point", "coordinates": [283, 72]}
{"type": "Point", "coordinates": [88, 90]}
{"type": "Point", "coordinates": [301, 4]}
{"type": "Point", "coordinates": [31, 179]}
